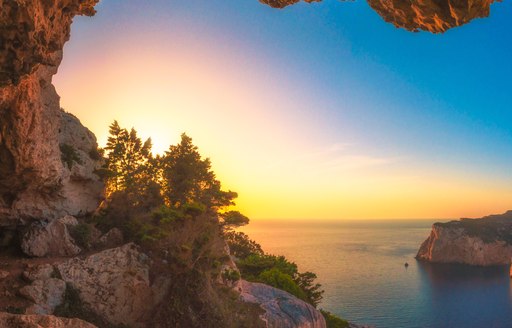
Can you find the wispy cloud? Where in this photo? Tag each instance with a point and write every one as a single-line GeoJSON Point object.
{"type": "Point", "coordinates": [338, 156]}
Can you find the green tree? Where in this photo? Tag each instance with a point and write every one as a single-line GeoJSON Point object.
{"type": "Point", "coordinates": [188, 178]}
{"type": "Point", "coordinates": [130, 165]}
{"type": "Point", "coordinates": [278, 279]}
{"type": "Point", "coordinates": [232, 219]}
{"type": "Point", "coordinates": [240, 245]}
{"type": "Point", "coordinates": [312, 291]}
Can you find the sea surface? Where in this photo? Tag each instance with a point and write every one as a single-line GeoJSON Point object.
{"type": "Point", "coordinates": [361, 267]}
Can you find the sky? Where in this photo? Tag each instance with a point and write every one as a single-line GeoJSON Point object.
{"type": "Point", "coordinates": [316, 111]}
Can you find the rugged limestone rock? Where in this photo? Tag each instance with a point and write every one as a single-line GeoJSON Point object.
{"type": "Point", "coordinates": [40, 272]}
{"type": "Point", "coordinates": [113, 283]}
{"type": "Point", "coordinates": [435, 16]}
{"type": "Point", "coordinates": [46, 294]}
{"type": "Point", "coordinates": [52, 238]}
{"type": "Point", "coordinates": [34, 181]}
{"type": "Point", "coordinates": [282, 309]}
{"type": "Point", "coordinates": [8, 320]}
{"type": "Point", "coordinates": [485, 241]}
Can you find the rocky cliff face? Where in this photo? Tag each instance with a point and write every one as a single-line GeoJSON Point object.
{"type": "Point", "coordinates": [485, 241]}
{"type": "Point", "coordinates": [35, 135]}
{"type": "Point", "coordinates": [435, 16]}
{"type": "Point", "coordinates": [282, 309]}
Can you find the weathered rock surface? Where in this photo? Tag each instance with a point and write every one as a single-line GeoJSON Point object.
{"type": "Point", "coordinates": [282, 310]}
{"type": "Point", "coordinates": [435, 16]}
{"type": "Point", "coordinates": [52, 238]}
{"type": "Point", "coordinates": [113, 283]}
{"type": "Point", "coordinates": [34, 181]}
{"type": "Point", "coordinates": [46, 294]}
{"type": "Point", "coordinates": [8, 320]}
{"type": "Point", "coordinates": [485, 241]}
{"type": "Point", "coordinates": [40, 272]}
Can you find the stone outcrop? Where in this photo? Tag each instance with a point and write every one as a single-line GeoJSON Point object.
{"type": "Point", "coordinates": [113, 283]}
{"type": "Point", "coordinates": [35, 183]}
{"type": "Point", "coordinates": [282, 309]}
{"type": "Point", "coordinates": [485, 241]}
{"type": "Point", "coordinates": [8, 320]}
{"type": "Point", "coordinates": [435, 16]}
{"type": "Point", "coordinates": [44, 238]}
{"type": "Point", "coordinates": [39, 272]}
{"type": "Point", "coordinates": [46, 294]}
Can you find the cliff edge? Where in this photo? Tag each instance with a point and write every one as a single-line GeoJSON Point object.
{"type": "Point", "coordinates": [485, 241]}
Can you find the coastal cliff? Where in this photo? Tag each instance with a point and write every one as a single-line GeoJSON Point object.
{"type": "Point", "coordinates": [49, 187]}
{"type": "Point", "coordinates": [485, 241]}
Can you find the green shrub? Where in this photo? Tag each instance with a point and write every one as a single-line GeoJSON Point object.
{"type": "Point", "coordinates": [96, 154]}
{"type": "Point", "coordinates": [231, 275]}
{"type": "Point", "coordinates": [240, 245]}
{"type": "Point", "coordinates": [14, 310]}
{"type": "Point", "coordinates": [334, 321]}
{"type": "Point", "coordinates": [193, 209]}
{"type": "Point", "coordinates": [81, 233]}
{"type": "Point", "coordinates": [69, 155]}
{"type": "Point", "coordinates": [283, 281]}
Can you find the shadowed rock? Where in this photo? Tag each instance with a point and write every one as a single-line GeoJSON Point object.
{"type": "Point", "coordinates": [8, 320]}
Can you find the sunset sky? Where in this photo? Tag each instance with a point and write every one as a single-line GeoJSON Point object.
{"type": "Point", "coordinates": [320, 111]}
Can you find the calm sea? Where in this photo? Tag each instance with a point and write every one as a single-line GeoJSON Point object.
{"type": "Point", "coordinates": [361, 267]}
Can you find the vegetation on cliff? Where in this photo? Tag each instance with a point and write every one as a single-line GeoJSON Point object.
{"type": "Point", "coordinates": [174, 206]}
{"type": "Point", "coordinates": [490, 228]}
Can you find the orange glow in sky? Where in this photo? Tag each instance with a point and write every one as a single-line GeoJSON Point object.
{"type": "Point", "coordinates": [265, 136]}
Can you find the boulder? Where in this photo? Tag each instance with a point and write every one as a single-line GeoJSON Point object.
{"type": "Point", "coordinates": [282, 309]}
{"type": "Point", "coordinates": [39, 272]}
{"type": "Point", "coordinates": [8, 320]}
{"type": "Point", "coordinates": [4, 274]}
{"type": "Point", "coordinates": [113, 283]}
{"type": "Point", "coordinates": [46, 295]}
{"type": "Point", "coordinates": [49, 239]}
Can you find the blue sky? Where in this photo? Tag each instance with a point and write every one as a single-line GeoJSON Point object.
{"type": "Point", "coordinates": [437, 104]}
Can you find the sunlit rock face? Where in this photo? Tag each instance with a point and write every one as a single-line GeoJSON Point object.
{"type": "Point", "coordinates": [282, 309]}
{"type": "Point", "coordinates": [485, 241]}
{"type": "Point", "coordinates": [34, 181]}
{"type": "Point", "coordinates": [435, 16]}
